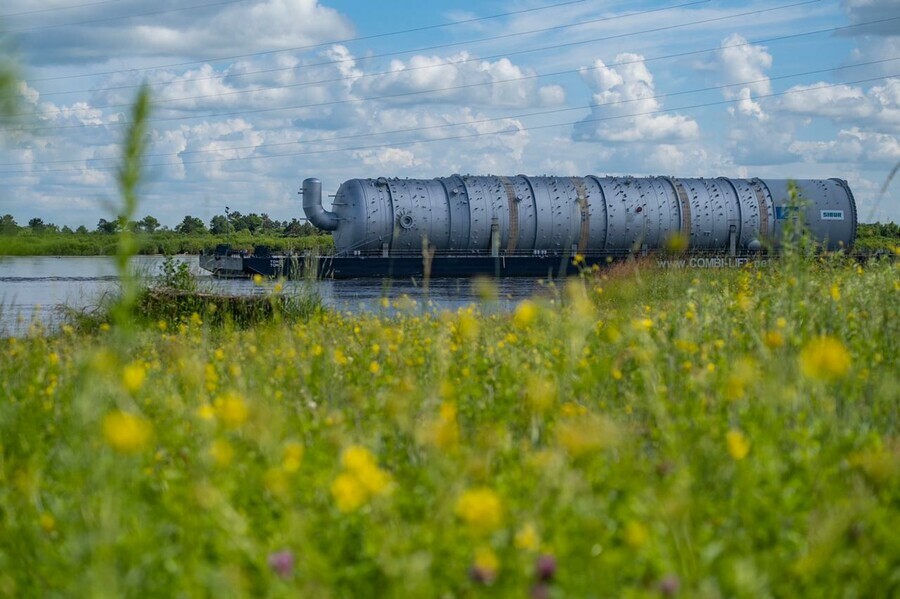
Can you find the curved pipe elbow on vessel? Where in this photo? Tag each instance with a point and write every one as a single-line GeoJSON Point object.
{"type": "Point", "coordinates": [312, 206]}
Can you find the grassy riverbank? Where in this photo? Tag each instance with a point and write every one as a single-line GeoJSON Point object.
{"type": "Point", "coordinates": [871, 238]}
{"type": "Point", "coordinates": [649, 433]}
{"type": "Point", "coordinates": [100, 244]}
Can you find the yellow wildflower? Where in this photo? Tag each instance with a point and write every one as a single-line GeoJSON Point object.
{"type": "Point", "coordinates": [571, 408]}
{"type": "Point", "coordinates": [221, 452]}
{"type": "Point", "coordinates": [487, 562]}
{"type": "Point", "coordinates": [586, 434]}
{"type": "Point", "coordinates": [133, 376]}
{"type": "Point", "coordinates": [642, 324]}
{"type": "Point", "coordinates": [825, 358]}
{"type": "Point", "coordinates": [356, 458]}
{"type": "Point", "coordinates": [293, 456]}
{"type": "Point", "coordinates": [480, 509]}
{"type": "Point", "coordinates": [743, 372]}
{"type": "Point", "coordinates": [126, 433]}
{"type": "Point", "coordinates": [257, 280]}
{"type": "Point", "coordinates": [348, 492]}
{"type": "Point", "coordinates": [636, 534]}
{"type": "Point", "coordinates": [443, 431]}
{"type": "Point", "coordinates": [206, 412]}
{"type": "Point", "coordinates": [47, 522]}
{"type": "Point", "coordinates": [212, 377]}
{"type": "Point", "coordinates": [276, 482]}
{"type": "Point", "coordinates": [375, 480]}
{"type": "Point", "coordinates": [738, 444]}
{"type": "Point", "coordinates": [773, 339]}
{"type": "Point", "coordinates": [361, 480]}
{"type": "Point", "coordinates": [374, 367]}
{"type": "Point", "coordinates": [526, 313]}
{"type": "Point", "coordinates": [231, 410]}
{"type": "Point", "coordinates": [340, 358]}
{"type": "Point", "coordinates": [541, 393]}
{"type": "Point", "coordinates": [836, 293]}
{"type": "Point", "coordinates": [527, 538]}
{"type": "Point", "coordinates": [468, 326]}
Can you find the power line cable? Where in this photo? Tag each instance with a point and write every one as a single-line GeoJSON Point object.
{"type": "Point", "coordinates": [447, 45]}
{"type": "Point", "coordinates": [56, 9]}
{"type": "Point", "coordinates": [477, 134]}
{"type": "Point", "coordinates": [478, 121]}
{"type": "Point", "coordinates": [416, 92]}
{"type": "Point", "coordinates": [309, 46]}
{"type": "Point", "coordinates": [121, 18]}
{"type": "Point", "coordinates": [483, 83]}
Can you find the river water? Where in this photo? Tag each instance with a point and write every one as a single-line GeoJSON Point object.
{"type": "Point", "coordinates": [40, 288]}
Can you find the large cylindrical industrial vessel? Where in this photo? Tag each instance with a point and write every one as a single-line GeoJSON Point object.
{"type": "Point", "coordinates": [524, 214]}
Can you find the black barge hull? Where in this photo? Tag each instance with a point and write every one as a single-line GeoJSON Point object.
{"type": "Point", "coordinates": [456, 266]}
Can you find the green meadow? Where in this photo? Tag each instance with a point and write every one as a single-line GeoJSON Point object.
{"type": "Point", "coordinates": [633, 432]}
{"type": "Point", "coordinates": [168, 243]}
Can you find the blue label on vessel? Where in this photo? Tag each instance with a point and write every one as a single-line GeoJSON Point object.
{"type": "Point", "coordinates": [783, 212]}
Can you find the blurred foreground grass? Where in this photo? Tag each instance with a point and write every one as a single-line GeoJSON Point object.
{"type": "Point", "coordinates": [645, 433]}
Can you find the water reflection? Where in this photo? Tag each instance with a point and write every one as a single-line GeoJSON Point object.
{"type": "Point", "coordinates": [39, 288]}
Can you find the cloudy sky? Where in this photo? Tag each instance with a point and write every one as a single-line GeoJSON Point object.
{"type": "Point", "coordinates": [252, 96]}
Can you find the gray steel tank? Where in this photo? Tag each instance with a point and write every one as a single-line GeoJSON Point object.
{"type": "Point", "coordinates": [524, 214]}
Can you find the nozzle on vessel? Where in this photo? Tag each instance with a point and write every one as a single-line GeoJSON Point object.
{"type": "Point", "coordinates": [312, 206]}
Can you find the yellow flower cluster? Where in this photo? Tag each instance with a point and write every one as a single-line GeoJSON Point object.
{"type": "Point", "coordinates": [481, 509]}
{"type": "Point", "coordinates": [825, 358]}
{"type": "Point", "coordinates": [231, 410]}
{"type": "Point", "coordinates": [221, 452]}
{"type": "Point", "coordinates": [443, 431]}
{"type": "Point", "coordinates": [292, 456]}
{"type": "Point", "coordinates": [588, 433]}
{"type": "Point", "coordinates": [525, 314]}
{"type": "Point", "coordinates": [126, 433]}
{"type": "Point", "coordinates": [738, 444]}
{"type": "Point", "coordinates": [360, 481]}
{"type": "Point", "coordinates": [527, 538]}
{"type": "Point", "coordinates": [133, 376]}
{"type": "Point", "coordinates": [773, 339]}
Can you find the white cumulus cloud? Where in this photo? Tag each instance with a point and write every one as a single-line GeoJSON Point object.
{"type": "Point", "coordinates": [625, 107]}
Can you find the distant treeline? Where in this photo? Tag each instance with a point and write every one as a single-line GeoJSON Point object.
{"type": "Point", "coordinates": [878, 236]}
{"type": "Point", "coordinates": [191, 236]}
{"type": "Point", "coordinates": [231, 222]}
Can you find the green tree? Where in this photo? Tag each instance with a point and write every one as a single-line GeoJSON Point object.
{"type": "Point", "coordinates": [81, 230]}
{"type": "Point", "coordinates": [8, 225]}
{"type": "Point", "coordinates": [191, 225]}
{"type": "Point", "coordinates": [269, 225]}
{"type": "Point", "coordinates": [254, 222]}
{"type": "Point", "coordinates": [237, 221]}
{"type": "Point", "coordinates": [107, 226]}
{"type": "Point", "coordinates": [37, 225]}
{"type": "Point", "coordinates": [219, 225]}
{"type": "Point", "coordinates": [297, 229]}
{"type": "Point", "coordinates": [148, 224]}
